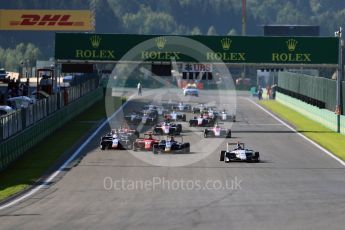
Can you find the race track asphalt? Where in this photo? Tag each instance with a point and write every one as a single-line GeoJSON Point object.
{"type": "Point", "coordinates": [295, 186]}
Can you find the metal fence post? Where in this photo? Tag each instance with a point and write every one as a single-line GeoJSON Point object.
{"type": "Point", "coordinates": [339, 77]}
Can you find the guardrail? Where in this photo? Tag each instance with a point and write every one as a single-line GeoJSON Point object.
{"type": "Point", "coordinates": [24, 118]}
{"type": "Point", "coordinates": [15, 146]}
{"type": "Point", "coordinates": [322, 116]}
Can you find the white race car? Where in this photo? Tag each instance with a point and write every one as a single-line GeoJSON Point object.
{"type": "Point", "coordinates": [159, 109]}
{"type": "Point", "coordinates": [239, 153]}
{"type": "Point", "coordinates": [224, 116]}
{"type": "Point", "coordinates": [181, 107]}
{"type": "Point", "coordinates": [175, 116]}
{"type": "Point", "coordinates": [217, 131]}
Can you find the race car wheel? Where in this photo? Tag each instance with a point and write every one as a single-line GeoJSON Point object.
{"type": "Point", "coordinates": [155, 149]}
{"type": "Point", "coordinates": [184, 118]}
{"type": "Point", "coordinates": [158, 131]}
{"type": "Point", "coordinates": [129, 147]}
{"type": "Point", "coordinates": [179, 128]}
{"type": "Point", "coordinates": [228, 135]}
{"type": "Point", "coordinates": [222, 155]}
{"type": "Point", "coordinates": [102, 147]}
{"type": "Point", "coordinates": [187, 149]}
{"type": "Point", "coordinates": [256, 157]}
{"type": "Point", "coordinates": [136, 133]}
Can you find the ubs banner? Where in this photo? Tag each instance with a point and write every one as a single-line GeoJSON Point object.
{"type": "Point", "coordinates": [228, 49]}
{"type": "Point", "coordinates": [66, 20]}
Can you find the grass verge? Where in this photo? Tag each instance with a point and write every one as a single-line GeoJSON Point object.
{"type": "Point", "coordinates": [35, 162]}
{"type": "Point", "coordinates": [330, 140]}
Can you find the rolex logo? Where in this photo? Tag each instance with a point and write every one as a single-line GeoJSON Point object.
{"type": "Point", "coordinates": [226, 43]}
{"type": "Point", "coordinates": [291, 44]}
{"type": "Point", "coordinates": [160, 42]}
{"type": "Point", "coordinates": [95, 41]}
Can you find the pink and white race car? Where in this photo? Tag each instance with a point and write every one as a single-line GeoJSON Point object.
{"type": "Point", "coordinates": [217, 131]}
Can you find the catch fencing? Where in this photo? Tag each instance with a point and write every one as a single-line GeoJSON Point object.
{"type": "Point", "coordinates": [310, 89]}
{"type": "Point", "coordinates": [15, 146]}
{"type": "Point", "coordinates": [16, 122]}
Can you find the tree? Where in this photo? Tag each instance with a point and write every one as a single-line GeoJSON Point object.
{"type": "Point", "coordinates": [11, 58]}
{"type": "Point", "coordinates": [211, 31]}
{"type": "Point", "coordinates": [147, 21]}
{"type": "Point", "coordinates": [196, 31]}
{"type": "Point", "coordinates": [290, 15]}
{"type": "Point", "coordinates": [232, 32]}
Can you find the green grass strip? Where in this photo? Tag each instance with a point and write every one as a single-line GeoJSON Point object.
{"type": "Point", "coordinates": [34, 163]}
{"type": "Point", "coordinates": [330, 140]}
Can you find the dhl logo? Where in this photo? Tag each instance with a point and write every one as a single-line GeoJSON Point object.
{"type": "Point", "coordinates": [46, 20]}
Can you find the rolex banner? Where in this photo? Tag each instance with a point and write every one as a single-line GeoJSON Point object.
{"type": "Point", "coordinates": [228, 49]}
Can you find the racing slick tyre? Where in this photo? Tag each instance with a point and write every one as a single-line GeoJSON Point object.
{"type": "Point", "coordinates": [157, 132]}
{"type": "Point", "coordinates": [256, 157]}
{"type": "Point", "coordinates": [129, 147]}
{"type": "Point", "coordinates": [103, 147]}
{"type": "Point", "coordinates": [155, 149]}
{"type": "Point", "coordinates": [136, 133]}
{"type": "Point", "coordinates": [228, 135]}
{"type": "Point", "coordinates": [186, 148]}
{"type": "Point", "coordinates": [222, 155]}
{"type": "Point", "coordinates": [135, 148]}
{"type": "Point", "coordinates": [184, 118]}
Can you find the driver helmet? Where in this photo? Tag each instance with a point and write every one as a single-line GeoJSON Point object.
{"type": "Point", "coordinates": [238, 145]}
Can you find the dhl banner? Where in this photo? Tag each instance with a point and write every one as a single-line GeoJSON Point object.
{"type": "Point", "coordinates": [61, 20]}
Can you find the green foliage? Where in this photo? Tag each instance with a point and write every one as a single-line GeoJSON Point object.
{"type": "Point", "coordinates": [232, 32]}
{"type": "Point", "coordinates": [10, 59]}
{"type": "Point", "coordinates": [146, 21]}
{"type": "Point", "coordinates": [196, 31]}
{"type": "Point", "coordinates": [212, 31]}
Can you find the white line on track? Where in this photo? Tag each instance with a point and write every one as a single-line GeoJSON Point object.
{"type": "Point", "coordinates": [301, 135]}
{"type": "Point", "coordinates": [45, 183]}
{"type": "Point", "coordinates": [254, 124]}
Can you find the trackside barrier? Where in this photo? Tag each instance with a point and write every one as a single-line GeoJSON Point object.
{"type": "Point", "coordinates": [322, 116]}
{"type": "Point", "coordinates": [318, 88]}
{"type": "Point", "coordinates": [15, 146]}
{"type": "Point", "coordinates": [21, 119]}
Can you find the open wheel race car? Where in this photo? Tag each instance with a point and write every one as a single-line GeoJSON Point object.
{"type": "Point", "coordinates": [171, 146]}
{"type": "Point", "coordinates": [199, 108]}
{"type": "Point", "coordinates": [175, 116]}
{"type": "Point", "coordinates": [155, 109]}
{"type": "Point", "coordinates": [224, 116]}
{"type": "Point", "coordinates": [118, 140]}
{"type": "Point", "coordinates": [181, 107]}
{"type": "Point", "coordinates": [217, 131]}
{"type": "Point", "coordinates": [201, 122]}
{"type": "Point", "coordinates": [138, 117]}
{"type": "Point", "coordinates": [146, 143]}
{"type": "Point", "coordinates": [167, 128]}
{"type": "Point", "coordinates": [238, 153]}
